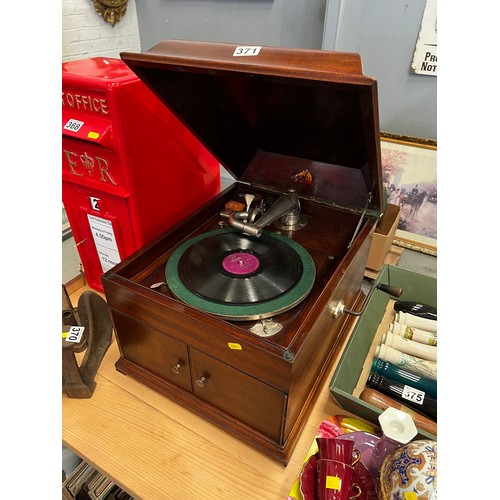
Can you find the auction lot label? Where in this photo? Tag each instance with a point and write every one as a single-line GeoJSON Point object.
{"type": "Point", "coordinates": [105, 241]}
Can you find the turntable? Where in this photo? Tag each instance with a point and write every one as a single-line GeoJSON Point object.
{"type": "Point", "coordinates": [237, 311]}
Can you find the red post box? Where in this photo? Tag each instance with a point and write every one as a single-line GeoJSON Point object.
{"type": "Point", "coordinates": [130, 168]}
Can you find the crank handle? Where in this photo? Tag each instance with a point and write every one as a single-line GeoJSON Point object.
{"type": "Point", "coordinates": [338, 308]}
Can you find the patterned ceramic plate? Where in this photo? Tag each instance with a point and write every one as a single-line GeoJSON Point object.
{"type": "Point", "coordinates": [411, 469]}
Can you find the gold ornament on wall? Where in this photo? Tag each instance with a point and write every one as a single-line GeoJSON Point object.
{"type": "Point", "coordinates": [112, 11]}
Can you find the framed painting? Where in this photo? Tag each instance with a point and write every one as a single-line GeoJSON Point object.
{"type": "Point", "coordinates": [409, 172]}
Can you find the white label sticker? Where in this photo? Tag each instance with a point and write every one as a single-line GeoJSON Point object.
{"type": "Point", "coordinates": [73, 125]}
{"type": "Point", "coordinates": [94, 203]}
{"type": "Point", "coordinates": [412, 394]}
{"type": "Point", "coordinates": [105, 241]}
{"type": "Point", "coordinates": [75, 334]}
{"type": "Point", "coordinates": [243, 50]}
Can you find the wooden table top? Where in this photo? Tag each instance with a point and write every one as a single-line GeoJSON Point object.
{"type": "Point", "coordinates": [155, 449]}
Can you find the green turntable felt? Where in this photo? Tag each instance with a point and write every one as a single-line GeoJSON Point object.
{"type": "Point", "coordinates": [240, 277]}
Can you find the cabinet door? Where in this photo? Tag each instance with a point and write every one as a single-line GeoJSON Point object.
{"type": "Point", "coordinates": [153, 350]}
{"type": "Point", "coordinates": [247, 399]}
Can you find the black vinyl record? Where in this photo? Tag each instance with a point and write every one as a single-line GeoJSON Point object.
{"type": "Point", "coordinates": [234, 268]}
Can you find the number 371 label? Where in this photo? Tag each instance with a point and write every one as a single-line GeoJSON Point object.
{"type": "Point", "coordinates": [244, 50]}
{"type": "Point", "coordinates": [412, 394]}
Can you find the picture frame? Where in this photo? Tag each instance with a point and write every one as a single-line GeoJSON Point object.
{"type": "Point", "coordinates": [409, 173]}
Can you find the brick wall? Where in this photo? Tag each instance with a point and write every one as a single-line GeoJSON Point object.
{"type": "Point", "coordinates": [86, 34]}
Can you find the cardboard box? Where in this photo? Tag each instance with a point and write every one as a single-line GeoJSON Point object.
{"type": "Point", "coordinates": [354, 366]}
{"type": "Point", "coordinates": [383, 237]}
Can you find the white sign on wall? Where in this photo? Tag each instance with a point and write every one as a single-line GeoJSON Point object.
{"type": "Point", "coordinates": [425, 56]}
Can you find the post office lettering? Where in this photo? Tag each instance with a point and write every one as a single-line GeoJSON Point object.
{"type": "Point", "coordinates": [85, 103]}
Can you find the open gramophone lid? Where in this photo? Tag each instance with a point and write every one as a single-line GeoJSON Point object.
{"type": "Point", "coordinates": [230, 274]}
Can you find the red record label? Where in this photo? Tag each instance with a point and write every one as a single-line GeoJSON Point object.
{"type": "Point", "coordinates": [240, 263]}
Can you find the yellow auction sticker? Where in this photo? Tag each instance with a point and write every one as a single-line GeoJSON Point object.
{"type": "Point", "coordinates": [236, 347]}
{"type": "Point", "coordinates": [93, 135]}
{"type": "Point", "coordinates": [333, 482]}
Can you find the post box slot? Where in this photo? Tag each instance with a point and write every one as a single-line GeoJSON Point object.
{"type": "Point", "coordinates": [87, 128]}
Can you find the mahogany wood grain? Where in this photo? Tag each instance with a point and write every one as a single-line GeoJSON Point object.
{"type": "Point", "coordinates": [291, 362]}
{"type": "Point", "coordinates": [266, 119]}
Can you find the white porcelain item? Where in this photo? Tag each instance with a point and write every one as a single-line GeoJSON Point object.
{"type": "Point", "coordinates": [422, 367]}
{"type": "Point", "coordinates": [411, 347]}
{"type": "Point", "coordinates": [398, 429]}
{"type": "Point", "coordinates": [412, 333]}
{"type": "Point", "coordinates": [397, 425]}
{"type": "Point", "coordinates": [429, 325]}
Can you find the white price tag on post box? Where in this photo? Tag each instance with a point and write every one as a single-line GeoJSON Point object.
{"type": "Point", "coordinates": [73, 125]}
{"type": "Point", "coordinates": [105, 241]}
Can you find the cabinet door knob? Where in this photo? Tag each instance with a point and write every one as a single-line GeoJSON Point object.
{"type": "Point", "coordinates": [200, 382]}
{"type": "Point", "coordinates": [177, 368]}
